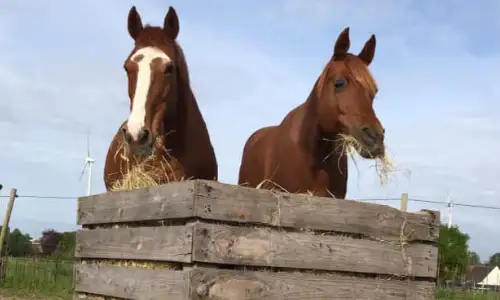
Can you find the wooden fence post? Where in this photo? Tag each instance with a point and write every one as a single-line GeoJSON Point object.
{"type": "Point", "coordinates": [404, 202]}
{"type": "Point", "coordinates": [5, 225]}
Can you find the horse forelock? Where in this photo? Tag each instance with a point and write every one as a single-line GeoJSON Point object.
{"type": "Point", "coordinates": [356, 69]}
{"type": "Point", "coordinates": [360, 72]}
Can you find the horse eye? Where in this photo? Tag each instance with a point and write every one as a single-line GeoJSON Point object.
{"type": "Point", "coordinates": [169, 69]}
{"type": "Point", "coordinates": [340, 84]}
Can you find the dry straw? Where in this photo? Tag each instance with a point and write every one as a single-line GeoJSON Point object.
{"type": "Point", "coordinates": [384, 165]}
{"type": "Point", "coordinates": [147, 172]}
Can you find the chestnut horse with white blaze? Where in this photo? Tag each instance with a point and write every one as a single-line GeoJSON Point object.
{"type": "Point", "coordinates": [303, 153]}
{"type": "Point", "coordinates": [163, 109]}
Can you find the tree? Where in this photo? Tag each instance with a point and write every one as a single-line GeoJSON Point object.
{"type": "Point", "coordinates": [473, 258]}
{"type": "Point", "coordinates": [453, 253]}
{"type": "Point", "coordinates": [19, 244]}
{"type": "Point", "coordinates": [49, 241]}
{"type": "Point", "coordinates": [67, 244]}
{"type": "Point", "coordinates": [494, 259]}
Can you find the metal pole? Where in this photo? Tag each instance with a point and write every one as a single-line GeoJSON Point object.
{"type": "Point", "coordinates": [450, 210]}
{"type": "Point", "coordinates": [89, 183]}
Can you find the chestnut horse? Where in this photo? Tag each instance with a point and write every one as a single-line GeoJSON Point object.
{"type": "Point", "coordinates": [163, 109]}
{"type": "Point", "coordinates": [303, 153]}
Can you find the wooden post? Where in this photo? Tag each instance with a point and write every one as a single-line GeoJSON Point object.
{"type": "Point", "coordinates": [404, 202]}
{"type": "Point", "coordinates": [3, 233]}
{"type": "Point", "coordinates": [6, 220]}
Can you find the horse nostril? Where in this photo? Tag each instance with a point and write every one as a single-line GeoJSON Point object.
{"type": "Point", "coordinates": [367, 131]}
{"type": "Point", "coordinates": [143, 136]}
{"type": "Point", "coordinates": [126, 135]}
{"type": "Point", "coordinates": [369, 134]}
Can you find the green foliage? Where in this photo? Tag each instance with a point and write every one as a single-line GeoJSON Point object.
{"type": "Point", "coordinates": [459, 294]}
{"type": "Point", "coordinates": [39, 278]}
{"type": "Point", "coordinates": [45, 279]}
{"type": "Point", "coordinates": [19, 244]}
{"type": "Point", "coordinates": [49, 241]}
{"type": "Point", "coordinates": [453, 253]}
{"type": "Point", "coordinates": [66, 247]}
{"type": "Point", "coordinates": [474, 258]}
{"type": "Point", "coordinates": [494, 259]}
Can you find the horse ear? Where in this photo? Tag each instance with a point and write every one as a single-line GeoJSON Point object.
{"type": "Point", "coordinates": [171, 24]}
{"type": "Point", "coordinates": [134, 23]}
{"type": "Point", "coordinates": [342, 44]}
{"type": "Point", "coordinates": [368, 50]}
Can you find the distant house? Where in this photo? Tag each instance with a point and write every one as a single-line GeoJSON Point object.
{"type": "Point", "coordinates": [36, 245]}
{"type": "Point", "coordinates": [483, 276]}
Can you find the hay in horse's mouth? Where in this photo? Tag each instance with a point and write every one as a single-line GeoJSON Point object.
{"type": "Point", "coordinates": [147, 172]}
{"type": "Point", "coordinates": [383, 165]}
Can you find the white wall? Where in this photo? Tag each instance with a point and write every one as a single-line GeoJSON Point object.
{"type": "Point", "coordinates": [493, 278]}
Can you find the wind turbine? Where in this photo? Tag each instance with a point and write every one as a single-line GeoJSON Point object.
{"type": "Point", "coordinates": [88, 162]}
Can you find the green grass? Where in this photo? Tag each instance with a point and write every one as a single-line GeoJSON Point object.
{"type": "Point", "coordinates": [28, 277]}
{"type": "Point", "coordinates": [457, 294]}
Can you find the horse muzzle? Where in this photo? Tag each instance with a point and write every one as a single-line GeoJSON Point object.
{"type": "Point", "coordinates": [372, 142]}
{"type": "Point", "coordinates": [142, 145]}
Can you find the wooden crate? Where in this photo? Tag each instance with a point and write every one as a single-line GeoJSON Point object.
{"type": "Point", "coordinates": [207, 240]}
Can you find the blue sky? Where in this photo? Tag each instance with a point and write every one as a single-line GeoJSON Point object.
{"type": "Point", "coordinates": [251, 62]}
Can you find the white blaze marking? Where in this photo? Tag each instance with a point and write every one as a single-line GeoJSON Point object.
{"type": "Point", "coordinates": [138, 114]}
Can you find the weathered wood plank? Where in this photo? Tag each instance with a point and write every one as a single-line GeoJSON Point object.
{"type": "Point", "coordinates": [213, 284]}
{"type": "Point", "coordinates": [226, 244]}
{"type": "Point", "coordinates": [132, 283]}
{"type": "Point", "coordinates": [168, 201]}
{"type": "Point", "coordinates": [166, 243]}
{"type": "Point", "coordinates": [218, 201]}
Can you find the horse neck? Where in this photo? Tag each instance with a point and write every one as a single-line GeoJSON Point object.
{"type": "Point", "coordinates": [313, 139]}
{"type": "Point", "coordinates": [179, 121]}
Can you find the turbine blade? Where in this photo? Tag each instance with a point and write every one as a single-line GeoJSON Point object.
{"type": "Point", "coordinates": [83, 171]}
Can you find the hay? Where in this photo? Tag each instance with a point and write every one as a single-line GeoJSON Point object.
{"type": "Point", "coordinates": [278, 188]}
{"type": "Point", "coordinates": [147, 172]}
{"type": "Point", "coordinates": [384, 165]}
{"type": "Point", "coordinates": [153, 265]}
{"type": "Point", "coordinates": [347, 144]}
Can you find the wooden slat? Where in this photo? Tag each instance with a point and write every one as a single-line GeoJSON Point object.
{"type": "Point", "coordinates": [211, 284]}
{"type": "Point", "coordinates": [225, 244]}
{"type": "Point", "coordinates": [219, 201]}
{"type": "Point", "coordinates": [166, 243]}
{"type": "Point", "coordinates": [132, 283]}
{"type": "Point", "coordinates": [169, 201]}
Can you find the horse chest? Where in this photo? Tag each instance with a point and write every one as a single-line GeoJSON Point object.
{"type": "Point", "coordinates": [330, 168]}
